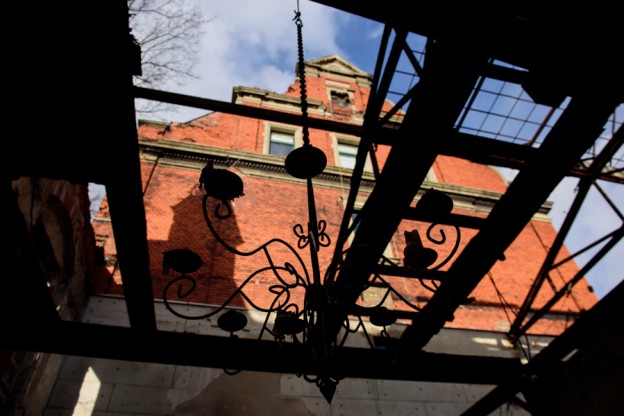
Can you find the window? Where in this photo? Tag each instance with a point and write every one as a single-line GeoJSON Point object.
{"type": "Point", "coordinates": [281, 143]}
{"type": "Point", "coordinates": [340, 99]}
{"type": "Point", "coordinates": [346, 155]}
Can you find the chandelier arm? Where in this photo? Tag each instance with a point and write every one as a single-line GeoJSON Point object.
{"type": "Point", "coordinates": [218, 237]}
{"type": "Point", "coordinates": [216, 234]}
{"type": "Point", "coordinates": [228, 210]}
{"type": "Point", "coordinates": [442, 241]}
{"type": "Point", "coordinates": [266, 321]}
{"type": "Point", "coordinates": [263, 247]}
{"type": "Point", "coordinates": [287, 265]}
{"type": "Point", "coordinates": [398, 294]}
{"type": "Point", "coordinates": [239, 290]}
{"type": "Point", "coordinates": [271, 308]}
{"type": "Point", "coordinates": [323, 238]}
{"type": "Point", "coordinates": [346, 334]}
{"type": "Point", "coordinates": [231, 372]}
{"type": "Point", "coordinates": [426, 286]}
{"type": "Point", "coordinates": [310, 378]}
{"type": "Point", "coordinates": [303, 240]}
{"type": "Point", "coordinates": [281, 307]}
{"type": "Point", "coordinates": [346, 324]}
{"type": "Point", "coordinates": [361, 325]}
{"type": "Point", "coordinates": [284, 306]}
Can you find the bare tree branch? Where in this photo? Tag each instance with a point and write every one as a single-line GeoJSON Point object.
{"type": "Point", "coordinates": [169, 33]}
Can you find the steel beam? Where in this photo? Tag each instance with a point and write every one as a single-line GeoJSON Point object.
{"type": "Point", "coordinates": [181, 348]}
{"type": "Point", "coordinates": [450, 71]}
{"type": "Point", "coordinates": [583, 119]}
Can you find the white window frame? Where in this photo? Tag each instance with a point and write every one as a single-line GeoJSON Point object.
{"type": "Point", "coordinates": [339, 141]}
{"type": "Point", "coordinates": [285, 129]}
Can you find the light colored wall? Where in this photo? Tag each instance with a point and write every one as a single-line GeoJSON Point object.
{"type": "Point", "coordinates": [87, 386]}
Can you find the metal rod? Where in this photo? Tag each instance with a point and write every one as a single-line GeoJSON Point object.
{"type": "Point", "coordinates": [610, 202]}
{"type": "Point", "coordinates": [313, 233]}
{"type": "Point", "coordinates": [370, 120]}
{"type": "Point", "coordinates": [584, 187]}
{"type": "Point", "coordinates": [578, 277]}
{"type": "Point", "coordinates": [583, 250]}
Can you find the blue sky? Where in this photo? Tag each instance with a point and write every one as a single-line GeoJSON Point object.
{"type": "Point", "coordinates": [253, 43]}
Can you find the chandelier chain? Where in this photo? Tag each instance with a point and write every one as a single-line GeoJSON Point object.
{"type": "Point", "coordinates": [301, 75]}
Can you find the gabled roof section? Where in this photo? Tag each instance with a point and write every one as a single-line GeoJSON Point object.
{"type": "Point", "coordinates": [338, 65]}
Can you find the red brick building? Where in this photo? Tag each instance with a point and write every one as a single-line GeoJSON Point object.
{"type": "Point", "coordinates": [173, 155]}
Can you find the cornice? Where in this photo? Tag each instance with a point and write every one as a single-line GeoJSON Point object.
{"type": "Point", "coordinates": [194, 156]}
{"type": "Point", "coordinates": [268, 99]}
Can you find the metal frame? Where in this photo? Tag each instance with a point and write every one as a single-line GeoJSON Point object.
{"type": "Point", "coordinates": [469, 38]}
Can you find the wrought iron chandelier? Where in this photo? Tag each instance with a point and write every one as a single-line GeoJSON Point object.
{"type": "Point", "coordinates": [308, 324]}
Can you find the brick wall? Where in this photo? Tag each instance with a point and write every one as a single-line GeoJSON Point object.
{"type": "Point", "coordinates": [56, 216]}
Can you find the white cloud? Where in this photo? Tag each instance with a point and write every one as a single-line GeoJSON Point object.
{"type": "Point", "coordinates": [254, 43]}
